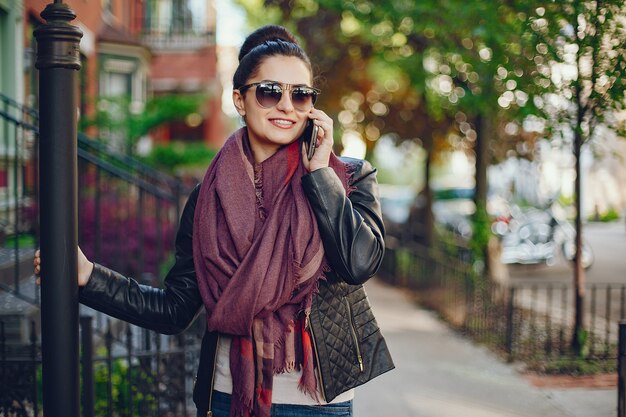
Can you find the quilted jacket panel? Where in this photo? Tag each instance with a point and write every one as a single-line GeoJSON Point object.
{"type": "Point", "coordinates": [344, 331]}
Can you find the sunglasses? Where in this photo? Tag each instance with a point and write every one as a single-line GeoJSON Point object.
{"type": "Point", "coordinates": [269, 93]}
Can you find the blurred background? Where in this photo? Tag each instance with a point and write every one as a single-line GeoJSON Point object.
{"type": "Point", "coordinates": [497, 129]}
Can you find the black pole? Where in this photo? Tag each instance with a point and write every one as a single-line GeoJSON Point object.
{"type": "Point", "coordinates": [58, 61]}
{"type": "Point", "coordinates": [621, 371]}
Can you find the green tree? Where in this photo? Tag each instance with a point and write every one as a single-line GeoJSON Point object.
{"type": "Point", "coordinates": [427, 71]}
{"type": "Point", "coordinates": [176, 156]}
{"type": "Point", "coordinates": [581, 61]}
{"type": "Point", "coordinates": [464, 62]}
{"type": "Point", "coordinates": [122, 120]}
{"type": "Point", "coordinates": [479, 74]}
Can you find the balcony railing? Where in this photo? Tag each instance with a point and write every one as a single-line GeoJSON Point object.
{"type": "Point", "coordinates": [160, 41]}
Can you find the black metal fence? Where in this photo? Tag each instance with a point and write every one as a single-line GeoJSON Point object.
{"type": "Point", "coordinates": [126, 371]}
{"type": "Point", "coordinates": [128, 215]}
{"type": "Point", "coordinates": [127, 212]}
{"type": "Point", "coordinates": [18, 196]}
{"type": "Point", "coordinates": [529, 322]}
{"type": "Point", "coordinates": [20, 369]}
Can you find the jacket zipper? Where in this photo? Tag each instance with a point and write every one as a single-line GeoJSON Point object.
{"type": "Point", "coordinates": [354, 336]}
{"type": "Point", "coordinates": [209, 412]}
{"type": "Point", "coordinates": [307, 325]}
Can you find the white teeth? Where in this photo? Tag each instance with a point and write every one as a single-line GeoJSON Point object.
{"type": "Point", "coordinates": [282, 122]}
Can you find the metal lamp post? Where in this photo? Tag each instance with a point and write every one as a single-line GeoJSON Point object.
{"type": "Point", "coordinates": [58, 60]}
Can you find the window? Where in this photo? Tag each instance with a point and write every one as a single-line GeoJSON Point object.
{"type": "Point", "coordinates": [117, 76]}
{"type": "Point", "coordinates": [122, 90]}
{"type": "Point", "coordinates": [175, 22]}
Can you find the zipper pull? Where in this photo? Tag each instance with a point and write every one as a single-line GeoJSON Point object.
{"type": "Point", "coordinates": [360, 363]}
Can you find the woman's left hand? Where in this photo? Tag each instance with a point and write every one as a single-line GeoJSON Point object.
{"type": "Point", "coordinates": [324, 141]}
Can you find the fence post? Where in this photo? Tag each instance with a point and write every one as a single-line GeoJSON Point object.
{"type": "Point", "coordinates": [87, 365]}
{"type": "Point", "coordinates": [183, 345]}
{"type": "Point", "coordinates": [157, 386]}
{"type": "Point", "coordinates": [108, 342]}
{"type": "Point", "coordinates": [4, 383]}
{"type": "Point", "coordinates": [129, 375]}
{"type": "Point", "coordinates": [33, 358]}
{"type": "Point", "coordinates": [621, 371]}
{"type": "Point", "coordinates": [509, 324]}
{"type": "Point", "coordinates": [58, 60]}
{"type": "Point", "coordinates": [469, 305]}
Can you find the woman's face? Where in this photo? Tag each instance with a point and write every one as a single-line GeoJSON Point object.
{"type": "Point", "coordinates": [270, 128]}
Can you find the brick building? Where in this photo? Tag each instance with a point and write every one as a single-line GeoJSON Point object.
{"type": "Point", "coordinates": [139, 49]}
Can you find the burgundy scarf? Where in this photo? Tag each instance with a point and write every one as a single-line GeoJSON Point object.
{"type": "Point", "coordinates": [258, 258]}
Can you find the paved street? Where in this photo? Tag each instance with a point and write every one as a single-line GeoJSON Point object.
{"type": "Point", "coordinates": [441, 374]}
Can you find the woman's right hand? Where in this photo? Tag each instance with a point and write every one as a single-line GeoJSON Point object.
{"type": "Point", "coordinates": [85, 267]}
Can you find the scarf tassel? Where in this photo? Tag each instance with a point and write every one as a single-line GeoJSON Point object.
{"type": "Point", "coordinates": [308, 382]}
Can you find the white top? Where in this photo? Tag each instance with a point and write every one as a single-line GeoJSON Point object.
{"type": "Point", "coordinates": [285, 386]}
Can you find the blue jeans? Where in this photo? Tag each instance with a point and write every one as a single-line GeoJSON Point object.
{"type": "Point", "coordinates": [221, 408]}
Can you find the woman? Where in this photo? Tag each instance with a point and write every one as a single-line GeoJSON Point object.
{"type": "Point", "coordinates": [276, 247]}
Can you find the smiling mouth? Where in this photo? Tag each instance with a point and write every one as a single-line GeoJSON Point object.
{"type": "Point", "coordinates": [282, 122]}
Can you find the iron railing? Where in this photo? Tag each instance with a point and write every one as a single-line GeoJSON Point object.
{"type": "Point", "coordinates": [128, 214]}
{"type": "Point", "coordinates": [532, 322]}
{"type": "Point", "coordinates": [181, 25]}
{"type": "Point", "coordinates": [126, 371]}
{"type": "Point", "coordinates": [128, 211]}
{"type": "Point", "coordinates": [20, 370]}
{"type": "Point", "coordinates": [18, 191]}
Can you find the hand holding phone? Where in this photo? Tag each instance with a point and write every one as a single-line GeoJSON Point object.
{"type": "Point", "coordinates": [309, 137]}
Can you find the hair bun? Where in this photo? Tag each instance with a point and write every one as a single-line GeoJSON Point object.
{"type": "Point", "coordinates": [265, 34]}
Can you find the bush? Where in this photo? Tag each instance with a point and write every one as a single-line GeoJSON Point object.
{"type": "Point", "coordinates": [175, 155]}
{"type": "Point", "coordinates": [23, 241]}
{"type": "Point", "coordinates": [576, 366]}
{"type": "Point", "coordinates": [610, 215]}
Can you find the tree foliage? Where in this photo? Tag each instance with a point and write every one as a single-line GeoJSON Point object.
{"type": "Point", "coordinates": [582, 58]}
{"type": "Point", "coordinates": [487, 78]}
{"type": "Point", "coordinates": [581, 63]}
{"type": "Point", "coordinates": [173, 156]}
{"type": "Point", "coordinates": [123, 121]}
{"type": "Point", "coordinates": [369, 55]}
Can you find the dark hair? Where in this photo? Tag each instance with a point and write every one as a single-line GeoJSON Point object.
{"type": "Point", "coordinates": [266, 41]}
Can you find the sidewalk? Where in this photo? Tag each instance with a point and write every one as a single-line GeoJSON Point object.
{"type": "Point", "coordinates": [441, 374]}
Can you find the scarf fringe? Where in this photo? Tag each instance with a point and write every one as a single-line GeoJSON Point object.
{"type": "Point", "coordinates": [241, 407]}
{"type": "Point", "coordinates": [310, 391]}
{"type": "Point", "coordinates": [280, 345]}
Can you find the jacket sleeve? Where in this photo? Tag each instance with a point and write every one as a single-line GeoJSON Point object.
{"type": "Point", "coordinates": [352, 228]}
{"type": "Point", "coordinates": [166, 310]}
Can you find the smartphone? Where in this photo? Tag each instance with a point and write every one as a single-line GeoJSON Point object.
{"type": "Point", "coordinates": [309, 137]}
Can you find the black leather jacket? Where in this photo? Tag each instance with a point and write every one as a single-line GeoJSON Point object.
{"type": "Point", "coordinates": [348, 345]}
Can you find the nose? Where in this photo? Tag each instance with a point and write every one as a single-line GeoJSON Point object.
{"type": "Point", "coordinates": [285, 104]}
